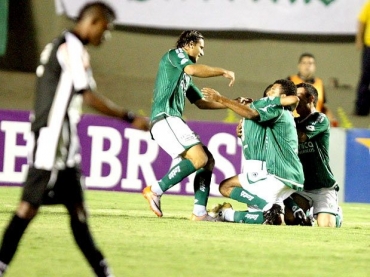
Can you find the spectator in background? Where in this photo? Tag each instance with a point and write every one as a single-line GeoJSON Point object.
{"type": "Point", "coordinates": [362, 104]}
{"type": "Point", "coordinates": [306, 74]}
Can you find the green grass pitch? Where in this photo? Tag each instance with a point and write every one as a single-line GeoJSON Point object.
{"type": "Point", "coordinates": [137, 243]}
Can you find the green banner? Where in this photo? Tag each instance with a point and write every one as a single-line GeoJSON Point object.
{"type": "Point", "coordinates": [4, 9]}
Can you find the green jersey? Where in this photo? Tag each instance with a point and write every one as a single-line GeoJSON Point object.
{"type": "Point", "coordinates": [253, 140]}
{"type": "Point", "coordinates": [281, 142]}
{"type": "Point", "coordinates": [172, 85]}
{"type": "Point", "coordinates": [314, 152]}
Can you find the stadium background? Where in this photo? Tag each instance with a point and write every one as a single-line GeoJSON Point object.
{"type": "Point", "coordinates": [125, 70]}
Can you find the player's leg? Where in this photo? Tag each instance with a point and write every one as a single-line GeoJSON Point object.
{"type": "Point", "coordinates": [203, 160]}
{"type": "Point", "coordinates": [325, 206]}
{"type": "Point", "coordinates": [225, 212]}
{"type": "Point", "coordinates": [296, 208]}
{"type": "Point", "coordinates": [178, 140]}
{"type": "Point", "coordinates": [33, 191]}
{"type": "Point", "coordinates": [240, 189]}
{"type": "Point", "coordinates": [68, 190]}
{"type": "Point", "coordinates": [363, 94]}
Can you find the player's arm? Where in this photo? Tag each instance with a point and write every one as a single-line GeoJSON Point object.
{"type": "Point", "coordinates": [107, 107]}
{"type": "Point", "coordinates": [290, 100]}
{"type": "Point", "coordinates": [205, 71]}
{"type": "Point", "coordinates": [243, 110]}
{"type": "Point", "coordinates": [359, 42]}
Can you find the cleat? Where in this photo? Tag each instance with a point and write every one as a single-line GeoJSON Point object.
{"type": "Point", "coordinates": [205, 217]}
{"type": "Point", "coordinates": [218, 211]}
{"type": "Point", "coordinates": [272, 216]}
{"type": "Point", "coordinates": [154, 200]}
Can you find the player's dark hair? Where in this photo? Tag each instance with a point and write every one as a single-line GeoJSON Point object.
{"type": "Point", "coordinates": [188, 36]}
{"type": "Point", "coordinates": [310, 91]}
{"type": "Point", "coordinates": [287, 87]}
{"type": "Point", "coordinates": [108, 11]}
{"type": "Point", "coordinates": [267, 90]}
{"type": "Point", "coordinates": [304, 55]}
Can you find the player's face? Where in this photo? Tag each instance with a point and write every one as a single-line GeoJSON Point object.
{"type": "Point", "coordinates": [303, 107]}
{"type": "Point", "coordinates": [307, 67]}
{"type": "Point", "coordinates": [275, 90]}
{"type": "Point", "coordinates": [98, 30]}
{"type": "Point", "coordinates": [196, 50]}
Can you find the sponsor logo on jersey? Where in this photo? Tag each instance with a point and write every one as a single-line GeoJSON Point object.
{"type": "Point", "coordinates": [310, 128]}
{"type": "Point", "coordinates": [306, 147]}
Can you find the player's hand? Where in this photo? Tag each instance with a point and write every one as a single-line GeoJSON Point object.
{"type": "Point", "coordinates": [140, 123]}
{"type": "Point", "coordinates": [230, 75]}
{"type": "Point", "coordinates": [239, 129]}
{"type": "Point", "coordinates": [301, 218]}
{"type": "Point", "coordinates": [210, 94]}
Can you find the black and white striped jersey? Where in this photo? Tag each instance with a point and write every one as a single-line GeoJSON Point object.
{"type": "Point", "coordinates": [64, 71]}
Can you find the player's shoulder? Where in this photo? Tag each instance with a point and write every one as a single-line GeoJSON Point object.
{"type": "Point", "coordinates": [319, 118]}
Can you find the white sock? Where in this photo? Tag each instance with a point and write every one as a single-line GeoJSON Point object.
{"type": "Point", "coordinates": [229, 215]}
{"type": "Point", "coordinates": [199, 210]}
{"type": "Point", "coordinates": [157, 189]}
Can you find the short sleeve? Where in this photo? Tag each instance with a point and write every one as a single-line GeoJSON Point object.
{"type": "Point", "coordinates": [269, 108]}
{"type": "Point", "coordinates": [179, 58]}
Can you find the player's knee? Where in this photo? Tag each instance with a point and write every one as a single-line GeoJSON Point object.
{"type": "Point", "coordinates": [26, 210]}
{"type": "Point", "coordinates": [224, 189]}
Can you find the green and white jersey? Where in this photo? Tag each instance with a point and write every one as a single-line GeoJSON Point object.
{"type": "Point", "coordinates": [172, 85]}
{"type": "Point", "coordinates": [281, 142]}
{"type": "Point", "coordinates": [253, 140]}
{"type": "Point", "coordinates": [314, 152]}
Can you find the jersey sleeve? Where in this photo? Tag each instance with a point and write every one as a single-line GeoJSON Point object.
{"type": "Point", "coordinates": [76, 61]}
{"type": "Point", "coordinates": [193, 93]}
{"type": "Point", "coordinates": [269, 108]}
{"type": "Point", "coordinates": [179, 58]}
{"type": "Point", "coordinates": [318, 126]}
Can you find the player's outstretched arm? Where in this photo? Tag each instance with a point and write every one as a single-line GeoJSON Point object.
{"type": "Point", "coordinates": [205, 71]}
{"type": "Point", "coordinates": [107, 107]}
{"type": "Point", "coordinates": [234, 105]}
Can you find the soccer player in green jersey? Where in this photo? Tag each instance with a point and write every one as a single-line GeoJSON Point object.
{"type": "Point", "coordinates": [174, 84]}
{"type": "Point", "coordinates": [283, 173]}
{"type": "Point", "coordinates": [320, 188]}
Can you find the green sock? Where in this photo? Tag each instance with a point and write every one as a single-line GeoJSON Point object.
{"type": "Point", "coordinates": [291, 204]}
{"type": "Point", "coordinates": [176, 174]}
{"type": "Point", "coordinates": [248, 217]}
{"type": "Point", "coordinates": [244, 196]}
{"type": "Point", "coordinates": [202, 182]}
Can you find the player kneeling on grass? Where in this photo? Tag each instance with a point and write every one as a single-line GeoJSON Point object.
{"type": "Point", "coordinates": [319, 198]}
{"type": "Point", "coordinates": [272, 171]}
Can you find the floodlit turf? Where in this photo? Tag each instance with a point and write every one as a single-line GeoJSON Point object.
{"type": "Point", "coordinates": [137, 243]}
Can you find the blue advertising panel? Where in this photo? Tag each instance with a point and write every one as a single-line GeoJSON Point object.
{"type": "Point", "coordinates": [358, 166]}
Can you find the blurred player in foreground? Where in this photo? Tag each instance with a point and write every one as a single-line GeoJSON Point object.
{"type": "Point", "coordinates": [54, 175]}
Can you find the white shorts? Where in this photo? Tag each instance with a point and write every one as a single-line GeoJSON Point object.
{"type": "Point", "coordinates": [324, 200]}
{"type": "Point", "coordinates": [265, 186]}
{"type": "Point", "coordinates": [174, 136]}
